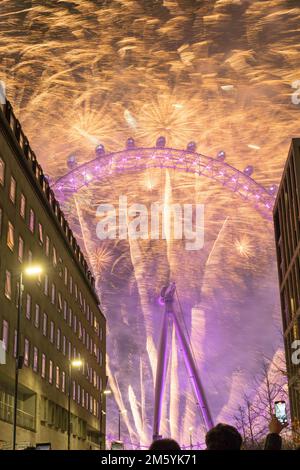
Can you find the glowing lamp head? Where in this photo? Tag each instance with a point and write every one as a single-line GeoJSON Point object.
{"type": "Point", "coordinates": [33, 270]}
{"type": "Point", "coordinates": [100, 150]}
{"type": "Point", "coordinates": [248, 170]}
{"type": "Point", "coordinates": [221, 155]}
{"type": "Point", "coordinates": [71, 162]}
{"type": "Point", "coordinates": [76, 363]}
{"type": "Point", "coordinates": [107, 392]}
{"type": "Point", "coordinates": [130, 143]}
{"type": "Point", "coordinates": [161, 142]}
{"type": "Point", "coordinates": [191, 147]}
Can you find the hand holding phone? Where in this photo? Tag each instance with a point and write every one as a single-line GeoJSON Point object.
{"type": "Point", "coordinates": [280, 412]}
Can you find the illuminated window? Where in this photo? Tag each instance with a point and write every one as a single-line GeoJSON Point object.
{"type": "Point", "coordinates": [20, 249]}
{"type": "Point", "coordinates": [54, 257]}
{"type": "Point", "coordinates": [30, 256]}
{"type": "Point", "coordinates": [70, 317]}
{"type": "Point", "coordinates": [78, 394]}
{"type": "Point", "coordinates": [41, 236]}
{"type": "Point", "coordinates": [66, 276]}
{"type": "Point", "coordinates": [10, 236]}
{"type": "Point", "coordinates": [69, 350]}
{"type": "Point", "coordinates": [12, 190]}
{"type": "Point", "coordinates": [51, 331]}
{"type": "Point", "coordinates": [28, 306]}
{"type": "Point", "coordinates": [53, 294]}
{"type": "Point", "coordinates": [57, 377]}
{"type": "Point", "coordinates": [47, 245]}
{"type": "Point", "coordinates": [58, 335]}
{"type": "Point", "coordinates": [31, 220]}
{"type": "Point", "coordinates": [50, 371]}
{"type": "Point", "coordinates": [46, 285]}
{"type": "Point", "coordinates": [7, 291]}
{"type": "Point", "coordinates": [64, 344]}
{"type": "Point", "coordinates": [75, 324]}
{"type": "Point", "coordinates": [65, 310]}
{"type": "Point", "coordinates": [63, 382]}
{"type": "Point", "coordinates": [79, 330]}
{"type": "Point", "coordinates": [73, 390]}
{"type": "Point", "coordinates": [43, 371]}
{"type": "Point", "coordinates": [45, 324]}
{"type": "Point", "coordinates": [26, 352]}
{"type": "Point", "coordinates": [2, 172]}
{"type": "Point", "coordinates": [35, 359]}
{"type": "Point", "coordinates": [71, 284]}
{"type": "Point", "coordinates": [22, 206]}
{"type": "Point", "coordinates": [5, 334]}
{"type": "Point", "coordinates": [59, 302]}
{"type": "Point", "coordinates": [37, 316]}
{"type": "Point", "coordinates": [82, 397]}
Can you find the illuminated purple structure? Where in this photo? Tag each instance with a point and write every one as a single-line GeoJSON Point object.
{"type": "Point", "coordinates": [167, 295]}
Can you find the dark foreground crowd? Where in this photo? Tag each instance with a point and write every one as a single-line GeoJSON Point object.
{"type": "Point", "coordinates": [225, 437]}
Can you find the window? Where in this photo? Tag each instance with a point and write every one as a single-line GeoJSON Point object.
{"type": "Point", "coordinates": [41, 236]}
{"type": "Point", "coordinates": [70, 317]}
{"type": "Point", "coordinates": [2, 172]}
{"type": "Point", "coordinates": [73, 390]}
{"type": "Point", "coordinates": [45, 324]}
{"type": "Point", "coordinates": [54, 256]}
{"type": "Point", "coordinates": [46, 285]}
{"type": "Point", "coordinates": [21, 249]}
{"type": "Point", "coordinates": [64, 345]}
{"type": "Point", "coordinates": [22, 206]}
{"type": "Point", "coordinates": [10, 236]}
{"type": "Point", "coordinates": [50, 372]}
{"type": "Point", "coordinates": [7, 290]}
{"type": "Point", "coordinates": [43, 371]}
{"type": "Point", "coordinates": [31, 220]}
{"type": "Point", "coordinates": [51, 331]}
{"type": "Point", "coordinates": [65, 310]}
{"type": "Point", "coordinates": [83, 335]}
{"type": "Point", "coordinates": [66, 276]}
{"type": "Point", "coordinates": [88, 313]}
{"type": "Point", "coordinates": [75, 324]}
{"type": "Point", "coordinates": [63, 382]}
{"type": "Point", "coordinates": [30, 257]}
{"type": "Point", "coordinates": [91, 404]}
{"type": "Point", "coordinates": [58, 335]}
{"type": "Point", "coordinates": [69, 350]}
{"type": "Point", "coordinates": [100, 358]}
{"type": "Point", "coordinates": [53, 294]}
{"type": "Point", "coordinates": [5, 334]}
{"type": "Point", "coordinates": [12, 189]}
{"type": "Point", "coordinates": [76, 291]}
{"type": "Point", "coordinates": [78, 394]}
{"type": "Point", "coordinates": [79, 330]}
{"type": "Point", "coordinates": [59, 302]}
{"type": "Point", "coordinates": [47, 248]}
{"type": "Point", "coordinates": [87, 341]}
{"type": "Point", "coordinates": [28, 306]}
{"type": "Point", "coordinates": [26, 352]}
{"type": "Point", "coordinates": [35, 359]}
{"type": "Point", "coordinates": [82, 397]}
{"type": "Point", "coordinates": [57, 377]}
{"type": "Point", "coordinates": [37, 316]}
{"type": "Point", "coordinates": [71, 285]}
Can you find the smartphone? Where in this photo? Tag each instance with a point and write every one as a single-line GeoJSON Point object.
{"type": "Point", "coordinates": [280, 411]}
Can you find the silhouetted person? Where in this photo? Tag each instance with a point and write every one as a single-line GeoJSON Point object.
{"type": "Point", "coordinates": [165, 444]}
{"type": "Point", "coordinates": [223, 437]}
{"type": "Point", "coordinates": [273, 439]}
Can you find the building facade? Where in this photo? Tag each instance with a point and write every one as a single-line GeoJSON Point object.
{"type": "Point", "coordinates": [287, 238]}
{"type": "Point", "coordinates": [61, 319]}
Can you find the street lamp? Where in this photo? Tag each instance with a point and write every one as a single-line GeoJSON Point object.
{"type": "Point", "coordinates": [102, 413]}
{"type": "Point", "coordinates": [30, 271]}
{"type": "Point", "coordinates": [121, 412]}
{"type": "Point", "coordinates": [76, 364]}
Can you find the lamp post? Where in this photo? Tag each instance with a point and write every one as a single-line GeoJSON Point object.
{"type": "Point", "coordinates": [30, 271]}
{"type": "Point", "coordinates": [102, 412]}
{"type": "Point", "coordinates": [76, 363]}
{"type": "Point", "coordinates": [121, 412]}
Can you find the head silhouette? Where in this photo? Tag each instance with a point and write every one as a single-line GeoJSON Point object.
{"type": "Point", "coordinates": [223, 437]}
